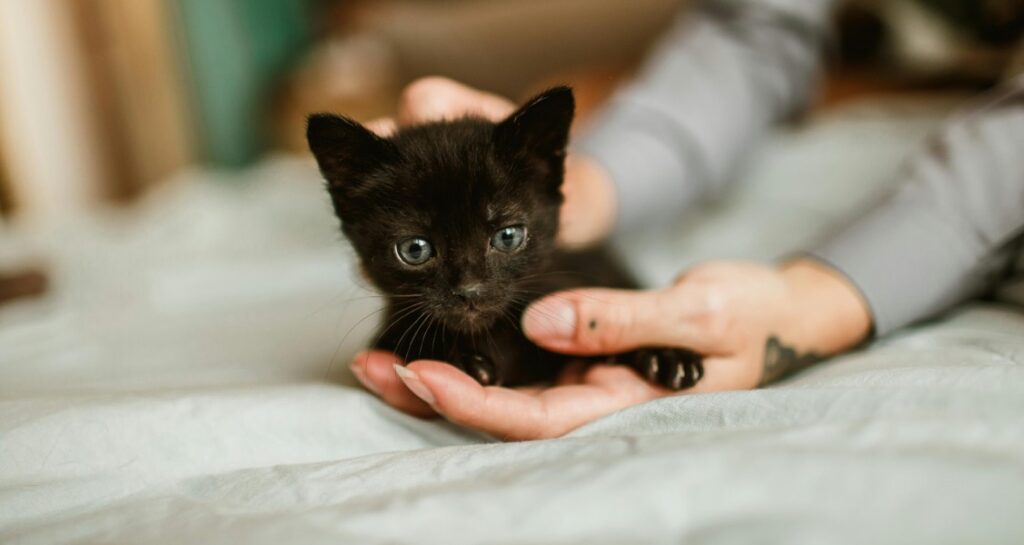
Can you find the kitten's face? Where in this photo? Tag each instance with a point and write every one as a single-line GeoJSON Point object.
{"type": "Point", "coordinates": [453, 217]}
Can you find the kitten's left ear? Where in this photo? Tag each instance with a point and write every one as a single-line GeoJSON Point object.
{"type": "Point", "coordinates": [540, 128]}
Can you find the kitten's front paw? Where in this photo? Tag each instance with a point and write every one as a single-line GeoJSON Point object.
{"type": "Point", "coordinates": [481, 368]}
{"type": "Point", "coordinates": [673, 368]}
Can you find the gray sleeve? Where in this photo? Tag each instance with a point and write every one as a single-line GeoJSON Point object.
{"type": "Point", "coordinates": [711, 87]}
{"type": "Point", "coordinates": [945, 234]}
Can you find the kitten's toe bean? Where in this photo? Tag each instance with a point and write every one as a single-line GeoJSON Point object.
{"type": "Point", "coordinates": [483, 370]}
{"type": "Point", "coordinates": [673, 368]}
{"type": "Point", "coordinates": [688, 368]}
{"type": "Point", "coordinates": [650, 367]}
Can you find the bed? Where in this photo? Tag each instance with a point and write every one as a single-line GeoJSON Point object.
{"type": "Point", "coordinates": [184, 381]}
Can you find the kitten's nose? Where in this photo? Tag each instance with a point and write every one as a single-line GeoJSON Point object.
{"type": "Point", "coordinates": [470, 291]}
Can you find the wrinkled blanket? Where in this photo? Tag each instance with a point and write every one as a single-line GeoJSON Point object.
{"type": "Point", "coordinates": [184, 382]}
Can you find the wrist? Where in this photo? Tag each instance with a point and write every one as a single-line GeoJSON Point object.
{"type": "Point", "coordinates": [588, 214]}
{"type": "Point", "coordinates": [829, 312]}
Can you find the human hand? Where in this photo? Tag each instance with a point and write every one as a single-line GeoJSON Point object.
{"type": "Point", "coordinates": [753, 323]}
{"type": "Point", "coordinates": [588, 213]}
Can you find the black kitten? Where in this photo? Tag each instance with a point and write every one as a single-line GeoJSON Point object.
{"type": "Point", "coordinates": [455, 223]}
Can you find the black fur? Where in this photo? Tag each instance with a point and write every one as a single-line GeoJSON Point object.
{"type": "Point", "coordinates": [455, 184]}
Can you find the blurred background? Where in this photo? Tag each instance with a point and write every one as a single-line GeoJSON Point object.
{"type": "Point", "coordinates": [157, 196]}
{"type": "Point", "coordinates": [175, 291]}
{"type": "Point", "coordinates": [102, 99]}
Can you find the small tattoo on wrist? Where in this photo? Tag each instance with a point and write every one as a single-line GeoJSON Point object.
{"type": "Point", "coordinates": [781, 360]}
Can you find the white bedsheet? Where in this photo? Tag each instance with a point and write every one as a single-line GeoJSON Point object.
{"type": "Point", "coordinates": [185, 383]}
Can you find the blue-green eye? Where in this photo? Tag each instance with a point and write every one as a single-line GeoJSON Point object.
{"type": "Point", "coordinates": [509, 239]}
{"type": "Point", "coordinates": [414, 251]}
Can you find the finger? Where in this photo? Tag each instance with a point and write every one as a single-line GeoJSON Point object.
{"type": "Point", "coordinates": [572, 373]}
{"type": "Point", "coordinates": [502, 412]}
{"type": "Point", "coordinates": [513, 414]}
{"type": "Point", "coordinates": [721, 375]}
{"type": "Point", "coordinates": [358, 367]}
{"type": "Point", "coordinates": [436, 98]}
{"type": "Point", "coordinates": [624, 380]}
{"type": "Point", "coordinates": [588, 208]}
{"type": "Point", "coordinates": [604, 389]}
{"type": "Point", "coordinates": [383, 126]}
{"type": "Point", "coordinates": [725, 374]}
{"type": "Point", "coordinates": [375, 369]}
{"type": "Point", "coordinates": [604, 321]}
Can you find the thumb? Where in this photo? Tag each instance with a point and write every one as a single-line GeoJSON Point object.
{"type": "Point", "coordinates": [605, 321]}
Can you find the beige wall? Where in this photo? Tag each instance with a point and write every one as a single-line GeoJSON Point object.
{"type": "Point", "coordinates": [504, 45]}
{"type": "Point", "coordinates": [92, 103]}
{"type": "Point", "coordinates": [48, 129]}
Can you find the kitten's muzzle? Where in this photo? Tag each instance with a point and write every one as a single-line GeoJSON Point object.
{"type": "Point", "coordinates": [469, 293]}
{"type": "Point", "coordinates": [471, 306]}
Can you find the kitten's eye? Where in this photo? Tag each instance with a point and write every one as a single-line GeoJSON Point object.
{"type": "Point", "coordinates": [414, 251]}
{"type": "Point", "coordinates": [509, 239]}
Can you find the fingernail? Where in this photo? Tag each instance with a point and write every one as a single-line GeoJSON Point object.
{"type": "Point", "coordinates": [551, 318]}
{"type": "Point", "coordinates": [360, 373]}
{"type": "Point", "coordinates": [413, 382]}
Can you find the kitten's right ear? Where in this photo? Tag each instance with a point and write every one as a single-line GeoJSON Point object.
{"type": "Point", "coordinates": [541, 127]}
{"type": "Point", "coordinates": [345, 150]}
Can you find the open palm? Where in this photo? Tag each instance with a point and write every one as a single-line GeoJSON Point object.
{"type": "Point", "coordinates": [581, 394]}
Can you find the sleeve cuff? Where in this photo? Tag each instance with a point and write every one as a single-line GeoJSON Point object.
{"type": "Point", "coordinates": [906, 261]}
{"type": "Point", "coordinates": [650, 168]}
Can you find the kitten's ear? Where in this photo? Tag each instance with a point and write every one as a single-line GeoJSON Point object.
{"type": "Point", "coordinates": [541, 127]}
{"type": "Point", "coordinates": [345, 150]}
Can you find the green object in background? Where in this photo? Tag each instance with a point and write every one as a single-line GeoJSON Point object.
{"type": "Point", "coordinates": [237, 50]}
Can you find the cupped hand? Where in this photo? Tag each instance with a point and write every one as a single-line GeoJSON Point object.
{"type": "Point", "coordinates": [429, 388]}
{"type": "Point", "coordinates": [752, 322]}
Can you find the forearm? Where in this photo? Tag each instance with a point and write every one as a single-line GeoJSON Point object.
{"type": "Point", "coordinates": [823, 315]}
{"type": "Point", "coordinates": [944, 235]}
{"type": "Point", "coordinates": [709, 90]}
{"type": "Point", "coordinates": [832, 315]}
